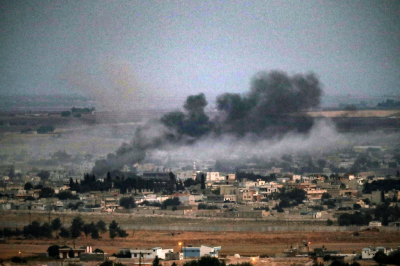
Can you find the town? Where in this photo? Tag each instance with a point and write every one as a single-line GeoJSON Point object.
{"type": "Point", "coordinates": [295, 193]}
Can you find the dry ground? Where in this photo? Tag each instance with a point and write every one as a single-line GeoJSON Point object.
{"type": "Point", "coordinates": [243, 243]}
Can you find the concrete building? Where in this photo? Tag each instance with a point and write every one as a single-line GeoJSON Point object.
{"type": "Point", "coordinates": [374, 197]}
{"type": "Point", "coordinates": [369, 253]}
{"type": "Point", "coordinates": [214, 176]}
{"type": "Point", "coordinates": [375, 223]}
{"type": "Point", "coordinates": [150, 253]}
{"type": "Point", "coordinates": [64, 253]}
{"type": "Point", "coordinates": [203, 250]}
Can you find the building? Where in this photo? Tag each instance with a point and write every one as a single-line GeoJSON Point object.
{"type": "Point", "coordinates": [156, 175]}
{"type": "Point", "coordinates": [150, 253]}
{"type": "Point", "coordinates": [374, 197]}
{"type": "Point", "coordinates": [203, 250]}
{"type": "Point", "coordinates": [214, 176]}
{"type": "Point", "coordinates": [64, 253]}
{"type": "Point", "coordinates": [174, 256]}
{"type": "Point", "coordinates": [375, 223]}
{"type": "Point", "coordinates": [369, 253]}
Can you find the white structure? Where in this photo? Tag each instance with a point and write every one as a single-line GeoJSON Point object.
{"type": "Point", "coordinates": [150, 253]}
{"type": "Point", "coordinates": [369, 253]}
{"type": "Point", "coordinates": [183, 175]}
{"type": "Point", "coordinates": [296, 177]}
{"type": "Point", "coordinates": [375, 223]}
{"type": "Point", "coordinates": [209, 251]}
{"type": "Point", "coordinates": [213, 176]}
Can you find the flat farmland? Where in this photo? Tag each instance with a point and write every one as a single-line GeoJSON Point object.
{"type": "Point", "coordinates": [248, 243]}
{"type": "Point", "coordinates": [243, 243]}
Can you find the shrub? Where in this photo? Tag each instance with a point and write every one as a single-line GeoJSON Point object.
{"type": "Point", "coordinates": [17, 259]}
{"type": "Point", "coordinates": [53, 251]}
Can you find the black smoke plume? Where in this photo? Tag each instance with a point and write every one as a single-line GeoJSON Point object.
{"type": "Point", "coordinates": [266, 110]}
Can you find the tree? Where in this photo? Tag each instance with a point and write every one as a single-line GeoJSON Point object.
{"type": "Point", "coordinates": [71, 253]}
{"type": "Point", "coordinates": [113, 229]}
{"type": "Point", "coordinates": [18, 259]}
{"type": "Point", "coordinates": [46, 230]}
{"type": "Point", "coordinates": [7, 232]}
{"type": "Point", "coordinates": [53, 251]}
{"type": "Point", "coordinates": [356, 206]}
{"type": "Point", "coordinates": [284, 203]}
{"type": "Point", "coordinates": [66, 194]}
{"type": "Point", "coordinates": [46, 192]}
{"type": "Point", "coordinates": [367, 201]}
{"type": "Point", "coordinates": [32, 230]}
{"type": "Point", "coordinates": [329, 222]}
{"type": "Point", "coordinates": [156, 262]}
{"type": "Point", "coordinates": [44, 175]}
{"type": "Point", "coordinates": [189, 182]}
{"type": "Point", "coordinates": [127, 202]}
{"type": "Point", "coordinates": [101, 226]}
{"type": "Point", "coordinates": [28, 186]}
{"type": "Point", "coordinates": [326, 196]}
{"type": "Point", "coordinates": [64, 233]}
{"type": "Point", "coordinates": [171, 183]}
{"type": "Point", "coordinates": [122, 233]}
{"type": "Point", "coordinates": [56, 224]}
{"type": "Point", "coordinates": [65, 113]}
{"type": "Point", "coordinates": [205, 261]}
{"type": "Point", "coordinates": [77, 227]}
{"type": "Point", "coordinates": [95, 234]}
{"type": "Point", "coordinates": [45, 129]}
{"type": "Point", "coordinates": [87, 229]}
{"type": "Point", "coordinates": [170, 202]}
{"type": "Point", "coordinates": [203, 182]}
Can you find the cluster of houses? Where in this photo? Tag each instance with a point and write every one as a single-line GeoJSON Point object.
{"type": "Point", "coordinates": [233, 198]}
{"type": "Point", "coordinates": [86, 253]}
{"type": "Point", "coordinates": [229, 197]}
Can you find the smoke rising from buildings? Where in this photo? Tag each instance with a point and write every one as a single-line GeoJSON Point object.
{"type": "Point", "coordinates": [264, 112]}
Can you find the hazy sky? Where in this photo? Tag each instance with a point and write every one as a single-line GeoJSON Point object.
{"type": "Point", "coordinates": [176, 48]}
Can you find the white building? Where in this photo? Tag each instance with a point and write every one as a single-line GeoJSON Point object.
{"type": "Point", "coordinates": [375, 223]}
{"type": "Point", "coordinates": [150, 253]}
{"type": "Point", "coordinates": [369, 253]}
{"type": "Point", "coordinates": [213, 176]}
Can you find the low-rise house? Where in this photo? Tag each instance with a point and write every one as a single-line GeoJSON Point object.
{"type": "Point", "coordinates": [375, 223]}
{"type": "Point", "coordinates": [369, 253]}
{"type": "Point", "coordinates": [174, 256]}
{"type": "Point", "coordinates": [203, 250]}
{"type": "Point", "coordinates": [150, 253]}
{"type": "Point", "coordinates": [315, 193]}
{"type": "Point", "coordinates": [64, 253]}
{"type": "Point", "coordinates": [374, 197]}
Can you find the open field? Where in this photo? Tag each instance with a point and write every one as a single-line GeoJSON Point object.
{"type": "Point", "coordinates": [232, 242]}
{"type": "Point", "coordinates": [243, 243]}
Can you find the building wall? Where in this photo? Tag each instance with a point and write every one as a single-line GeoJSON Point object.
{"type": "Point", "coordinates": [191, 252]}
{"type": "Point", "coordinates": [213, 176]}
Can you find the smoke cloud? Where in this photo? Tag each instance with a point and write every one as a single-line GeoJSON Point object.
{"type": "Point", "coordinates": [111, 82]}
{"type": "Point", "coordinates": [267, 107]}
{"type": "Point", "coordinates": [265, 112]}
